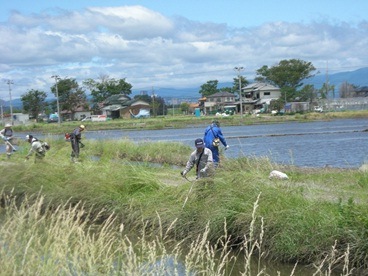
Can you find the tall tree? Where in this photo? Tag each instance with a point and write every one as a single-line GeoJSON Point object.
{"type": "Point", "coordinates": [347, 90]}
{"type": "Point", "coordinates": [286, 74]}
{"type": "Point", "coordinates": [243, 82]}
{"type": "Point", "coordinates": [308, 94]}
{"type": "Point", "coordinates": [34, 102]}
{"type": "Point", "coordinates": [71, 96]}
{"type": "Point", "coordinates": [289, 73]}
{"type": "Point", "coordinates": [106, 87]}
{"type": "Point", "coordinates": [325, 89]}
{"type": "Point", "coordinates": [209, 88]}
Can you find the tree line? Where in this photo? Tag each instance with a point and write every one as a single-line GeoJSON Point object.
{"type": "Point", "coordinates": [288, 75]}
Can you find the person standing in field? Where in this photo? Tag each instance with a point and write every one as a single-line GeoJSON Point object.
{"type": "Point", "coordinates": [212, 138]}
{"type": "Point", "coordinates": [201, 158]}
{"type": "Point", "coordinates": [7, 135]}
{"type": "Point", "coordinates": [75, 140]}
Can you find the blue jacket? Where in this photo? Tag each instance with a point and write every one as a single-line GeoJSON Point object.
{"type": "Point", "coordinates": [209, 135]}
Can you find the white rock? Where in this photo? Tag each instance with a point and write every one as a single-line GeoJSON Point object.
{"type": "Point", "coordinates": [277, 175]}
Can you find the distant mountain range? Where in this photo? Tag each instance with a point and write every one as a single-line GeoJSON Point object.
{"type": "Point", "coordinates": [358, 77]}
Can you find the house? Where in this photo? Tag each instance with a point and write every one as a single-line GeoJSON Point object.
{"type": "Point", "coordinates": [218, 102]}
{"type": "Point", "coordinates": [257, 95]}
{"type": "Point", "coordinates": [80, 113]}
{"type": "Point", "coordinates": [122, 106]}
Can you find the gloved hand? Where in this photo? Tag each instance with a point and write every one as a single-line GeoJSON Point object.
{"type": "Point", "coordinates": [226, 147]}
{"type": "Point", "coordinates": [183, 173]}
{"type": "Point", "coordinates": [5, 138]}
{"type": "Point", "coordinates": [203, 170]}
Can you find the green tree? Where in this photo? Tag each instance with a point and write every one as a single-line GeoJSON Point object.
{"type": "Point", "coordinates": [325, 89]}
{"type": "Point", "coordinates": [106, 87]}
{"type": "Point", "coordinates": [209, 88]}
{"type": "Point", "coordinates": [184, 107]}
{"type": "Point", "coordinates": [308, 94]}
{"type": "Point", "coordinates": [71, 96]}
{"type": "Point", "coordinates": [243, 82]}
{"type": "Point", "coordinates": [34, 102]}
{"type": "Point", "coordinates": [287, 74]}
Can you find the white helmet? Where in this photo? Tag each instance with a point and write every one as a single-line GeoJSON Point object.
{"type": "Point", "coordinates": [8, 125]}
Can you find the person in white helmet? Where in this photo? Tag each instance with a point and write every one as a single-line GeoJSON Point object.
{"type": "Point", "coordinates": [75, 140]}
{"type": "Point", "coordinates": [36, 148]}
{"type": "Point", "coordinates": [7, 135]}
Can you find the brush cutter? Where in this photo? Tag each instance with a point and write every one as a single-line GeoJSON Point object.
{"type": "Point", "coordinates": [190, 190]}
{"type": "Point", "coordinates": [8, 143]}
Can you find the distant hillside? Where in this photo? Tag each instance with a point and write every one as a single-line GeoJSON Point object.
{"type": "Point", "coordinates": [358, 77]}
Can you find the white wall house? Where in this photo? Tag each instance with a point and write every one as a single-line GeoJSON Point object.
{"type": "Point", "coordinates": [256, 95]}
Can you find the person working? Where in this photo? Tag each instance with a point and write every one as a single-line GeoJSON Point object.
{"type": "Point", "coordinates": [75, 140]}
{"type": "Point", "coordinates": [212, 138]}
{"type": "Point", "coordinates": [201, 158]}
{"type": "Point", "coordinates": [36, 148]}
{"type": "Point", "coordinates": [7, 135]}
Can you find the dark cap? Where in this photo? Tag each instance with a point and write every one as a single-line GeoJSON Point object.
{"type": "Point", "coordinates": [215, 122]}
{"type": "Point", "coordinates": [199, 143]}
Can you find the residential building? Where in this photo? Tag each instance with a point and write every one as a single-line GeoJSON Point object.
{"type": "Point", "coordinates": [258, 95]}
{"type": "Point", "coordinates": [122, 106]}
{"type": "Point", "coordinates": [218, 102]}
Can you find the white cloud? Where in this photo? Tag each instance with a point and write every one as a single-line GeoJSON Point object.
{"type": "Point", "coordinates": [149, 49]}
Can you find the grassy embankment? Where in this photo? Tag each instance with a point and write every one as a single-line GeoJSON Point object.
{"type": "Point", "coordinates": [188, 121]}
{"type": "Point", "coordinates": [298, 220]}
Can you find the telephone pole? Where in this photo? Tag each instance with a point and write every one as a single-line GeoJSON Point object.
{"type": "Point", "coordinates": [10, 82]}
{"type": "Point", "coordinates": [240, 90]}
{"type": "Point", "coordinates": [56, 77]}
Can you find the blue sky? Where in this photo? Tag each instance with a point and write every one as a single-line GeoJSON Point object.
{"type": "Point", "coordinates": [158, 43]}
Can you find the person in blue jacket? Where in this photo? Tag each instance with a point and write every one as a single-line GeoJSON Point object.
{"type": "Point", "coordinates": [211, 133]}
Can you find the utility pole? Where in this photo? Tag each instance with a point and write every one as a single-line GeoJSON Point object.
{"type": "Point", "coordinates": [10, 82]}
{"type": "Point", "coordinates": [240, 90]}
{"type": "Point", "coordinates": [56, 77]}
{"type": "Point", "coordinates": [153, 102]}
{"type": "Point", "coordinates": [2, 111]}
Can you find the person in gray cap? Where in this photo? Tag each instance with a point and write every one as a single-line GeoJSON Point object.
{"type": "Point", "coordinates": [201, 158]}
{"type": "Point", "coordinates": [7, 135]}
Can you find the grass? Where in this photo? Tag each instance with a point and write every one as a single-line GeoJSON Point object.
{"type": "Point", "coordinates": [138, 185]}
{"type": "Point", "coordinates": [68, 239]}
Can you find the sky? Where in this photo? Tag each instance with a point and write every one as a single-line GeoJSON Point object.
{"type": "Point", "coordinates": [155, 44]}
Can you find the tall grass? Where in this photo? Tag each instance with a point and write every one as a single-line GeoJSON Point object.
{"type": "Point", "coordinates": [302, 216]}
{"type": "Point", "coordinates": [41, 239]}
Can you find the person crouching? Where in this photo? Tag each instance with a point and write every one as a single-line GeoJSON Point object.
{"type": "Point", "coordinates": [36, 149]}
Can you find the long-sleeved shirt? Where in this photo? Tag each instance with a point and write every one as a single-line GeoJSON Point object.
{"type": "Point", "coordinates": [76, 134]}
{"type": "Point", "coordinates": [202, 161]}
{"type": "Point", "coordinates": [36, 147]}
{"type": "Point", "coordinates": [212, 132]}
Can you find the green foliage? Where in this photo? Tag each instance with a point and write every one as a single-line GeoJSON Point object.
{"type": "Point", "coordinates": [209, 88]}
{"type": "Point", "coordinates": [287, 73]}
{"type": "Point", "coordinates": [71, 96]}
{"type": "Point", "coordinates": [106, 87]}
{"type": "Point", "coordinates": [34, 102]}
